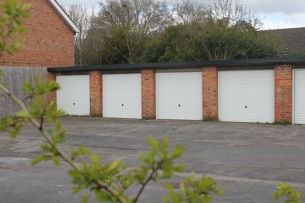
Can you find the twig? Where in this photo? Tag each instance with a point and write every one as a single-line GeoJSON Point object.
{"type": "Point", "coordinates": [148, 179]}
{"type": "Point", "coordinates": [27, 97]}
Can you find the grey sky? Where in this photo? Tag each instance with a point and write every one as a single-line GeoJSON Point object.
{"type": "Point", "coordinates": [273, 13]}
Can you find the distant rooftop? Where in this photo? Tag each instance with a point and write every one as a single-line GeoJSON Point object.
{"type": "Point", "coordinates": [293, 39]}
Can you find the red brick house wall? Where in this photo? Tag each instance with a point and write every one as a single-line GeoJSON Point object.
{"type": "Point", "coordinates": [49, 41]}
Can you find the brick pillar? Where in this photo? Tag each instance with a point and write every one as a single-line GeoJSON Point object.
{"type": "Point", "coordinates": [148, 93]}
{"type": "Point", "coordinates": [96, 93]}
{"type": "Point", "coordinates": [52, 95]}
{"type": "Point", "coordinates": [210, 93]}
{"type": "Point", "coordinates": [283, 93]}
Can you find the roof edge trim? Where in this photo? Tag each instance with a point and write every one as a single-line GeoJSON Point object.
{"type": "Point", "coordinates": [194, 64]}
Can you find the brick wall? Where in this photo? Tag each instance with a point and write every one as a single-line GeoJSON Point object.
{"type": "Point", "coordinates": [48, 43]}
{"type": "Point", "coordinates": [148, 93]}
{"type": "Point", "coordinates": [210, 92]}
{"type": "Point", "coordinates": [283, 92]}
{"type": "Point", "coordinates": [96, 93]}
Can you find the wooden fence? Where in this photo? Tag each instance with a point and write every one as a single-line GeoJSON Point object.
{"type": "Point", "coordinates": [14, 79]}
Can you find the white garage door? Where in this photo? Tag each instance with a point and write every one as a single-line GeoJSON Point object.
{"type": "Point", "coordinates": [299, 96]}
{"type": "Point", "coordinates": [74, 96]}
{"type": "Point", "coordinates": [246, 96]}
{"type": "Point", "coordinates": [122, 96]}
{"type": "Point", "coordinates": [179, 95]}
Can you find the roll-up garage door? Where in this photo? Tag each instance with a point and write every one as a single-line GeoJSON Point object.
{"type": "Point", "coordinates": [74, 96]}
{"type": "Point", "coordinates": [299, 96]}
{"type": "Point", "coordinates": [179, 95]}
{"type": "Point", "coordinates": [122, 96]}
{"type": "Point", "coordinates": [246, 96]}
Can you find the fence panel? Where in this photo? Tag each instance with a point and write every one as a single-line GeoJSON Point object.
{"type": "Point", "coordinates": [14, 78]}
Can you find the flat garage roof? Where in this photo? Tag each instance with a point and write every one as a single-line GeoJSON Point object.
{"type": "Point", "coordinates": [167, 65]}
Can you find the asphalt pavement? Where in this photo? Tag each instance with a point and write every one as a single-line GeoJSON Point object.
{"type": "Point", "coordinates": [247, 160]}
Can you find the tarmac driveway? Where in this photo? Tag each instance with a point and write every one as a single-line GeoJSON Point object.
{"type": "Point", "coordinates": [248, 160]}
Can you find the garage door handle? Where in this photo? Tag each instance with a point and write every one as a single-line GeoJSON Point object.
{"type": "Point", "coordinates": [73, 104]}
{"type": "Point", "coordinates": [179, 105]}
{"type": "Point", "coordinates": [122, 104]}
{"type": "Point", "coordinates": [246, 107]}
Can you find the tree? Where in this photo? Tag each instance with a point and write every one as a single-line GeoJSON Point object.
{"type": "Point", "coordinates": [214, 41]}
{"type": "Point", "coordinates": [231, 33]}
{"type": "Point", "coordinates": [94, 50]}
{"type": "Point", "coordinates": [123, 26]}
{"type": "Point", "coordinates": [176, 43]}
{"type": "Point", "coordinates": [228, 32]}
{"type": "Point", "coordinates": [222, 42]}
{"type": "Point", "coordinates": [131, 31]}
{"type": "Point", "coordinates": [232, 12]}
{"type": "Point", "coordinates": [186, 11]}
{"type": "Point", "coordinates": [80, 16]}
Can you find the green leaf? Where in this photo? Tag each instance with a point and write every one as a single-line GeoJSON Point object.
{"type": "Point", "coordinates": [193, 190]}
{"type": "Point", "coordinates": [59, 138]}
{"type": "Point", "coordinates": [94, 158]}
{"type": "Point", "coordinates": [56, 160]}
{"type": "Point", "coordinates": [153, 143]}
{"type": "Point", "coordinates": [14, 132]}
{"type": "Point", "coordinates": [46, 148]}
{"type": "Point", "coordinates": [40, 158]}
{"type": "Point", "coordinates": [76, 190]}
{"type": "Point", "coordinates": [85, 199]}
{"type": "Point", "coordinates": [291, 195]}
{"type": "Point", "coordinates": [168, 186]}
{"type": "Point", "coordinates": [37, 160]}
{"type": "Point", "coordinates": [182, 188]}
{"type": "Point", "coordinates": [114, 165]}
{"type": "Point", "coordinates": [178, 151]}
{"type": "Point", "coordinates": [74, 173]}
{"type": "Point", "coordinates": [23, 114]}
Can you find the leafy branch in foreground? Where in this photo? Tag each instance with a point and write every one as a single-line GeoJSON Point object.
{"type": "Point", "coordinates": [109, 182]}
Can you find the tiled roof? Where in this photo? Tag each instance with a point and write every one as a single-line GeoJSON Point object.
{"type": "Point", "coordinates": [290, 39]}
